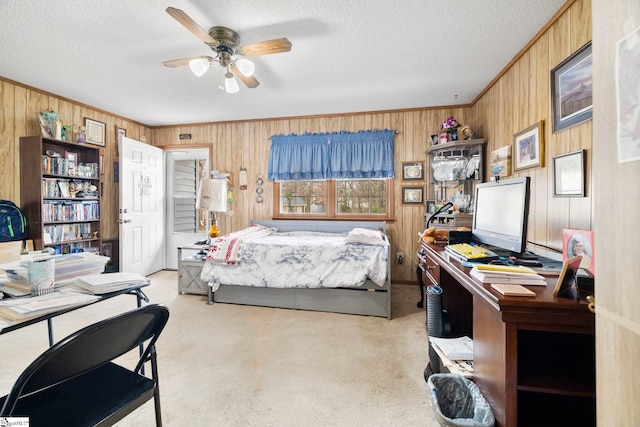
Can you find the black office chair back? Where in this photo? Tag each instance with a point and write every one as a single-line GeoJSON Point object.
{"type": "Point", "coordinates": [90, 348]}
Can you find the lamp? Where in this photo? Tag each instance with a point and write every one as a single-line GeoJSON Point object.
{"type": "Point", "coordinates": [212, 197]}
{"type": "Point", "coordinates": [230, 83]}
{"type": "Point", "coordinates": [199, 66]}
{"type": "Point", "coordinates": [245, 66]}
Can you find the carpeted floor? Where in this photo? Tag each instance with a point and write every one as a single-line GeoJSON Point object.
{"type": "Point", "coordinates": [234, 365]}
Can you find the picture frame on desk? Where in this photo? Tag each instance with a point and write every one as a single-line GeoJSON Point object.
{"type": "Point", "coordinates": [579, 243]}
{"type": "Point", "coordinates": [430, 206]}
{"type": "Point", "coordinates": [567, 286]}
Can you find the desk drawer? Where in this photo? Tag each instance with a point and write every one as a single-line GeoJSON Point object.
{"type": "Point", "coordinates": [430, 267]}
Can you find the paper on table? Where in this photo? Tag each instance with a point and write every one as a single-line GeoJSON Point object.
{"type": "Point", "coordinates": [17, 309]}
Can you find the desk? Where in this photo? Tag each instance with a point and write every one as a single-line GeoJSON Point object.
{"type": "Point", "coordinates": [534, 358]}
{"type": "Point", "coordinates": [133, 290]}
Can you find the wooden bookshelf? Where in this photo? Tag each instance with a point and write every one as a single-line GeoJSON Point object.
{"type": "Point", "coordinates": [60, 194]}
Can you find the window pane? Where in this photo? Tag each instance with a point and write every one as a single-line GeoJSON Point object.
{"type": "Point", "coordinates": [361, 197]}
{"type": "Point", "coordinates": [303, 197]}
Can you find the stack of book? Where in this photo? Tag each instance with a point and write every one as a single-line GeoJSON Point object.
{"type": "Point", "coordinates": [110, 282]}
{"type": "Point", "coordinates": [508, 279]}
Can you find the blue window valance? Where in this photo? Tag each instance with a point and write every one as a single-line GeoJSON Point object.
{"type": "Point", "coordinates": [346, 155]}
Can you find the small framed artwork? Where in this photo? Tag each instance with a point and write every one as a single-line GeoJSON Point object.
{"type": "Point", "coordinates": [413, 171]}
{"type": "Point", "coordinates": [572, 89]}
{"type": "Point", "coordinates": [528, 147]}
{"type": "Point", "coordinates": [431, 206]}
{"type": "Point", "coordinates": [120, 133]}
{"type": "Point", "coordinates": [579, 243]}
{"type": "Point", "coordinates": [568, 175]}
{"type": "Point", "coordinates": [566, 286]}
{"type": "Point", "coordinates": [501, 162]}
{"type": "Point", "coordinates": [72, 162]}
{"type": "Point", "coordinates": [95, 131]}
{"type": "Point", "coordinates": [412, 195]}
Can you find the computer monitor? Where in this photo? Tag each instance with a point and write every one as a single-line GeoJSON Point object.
{"type": "Point", "coordinates": [501, 211]}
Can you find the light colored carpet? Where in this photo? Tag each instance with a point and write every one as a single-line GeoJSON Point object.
{"type": "Point", "coordinates": [234, 365]}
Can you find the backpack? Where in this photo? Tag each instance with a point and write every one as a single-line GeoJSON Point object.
{"type": "Point", "coordinates": [13, 223]}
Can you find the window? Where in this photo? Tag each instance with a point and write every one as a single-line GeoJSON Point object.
{"type": "Point", "coordinates": [344, 198]}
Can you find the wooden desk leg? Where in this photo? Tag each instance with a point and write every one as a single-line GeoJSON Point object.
{"type": "Point", "coordinates": [421, 285]}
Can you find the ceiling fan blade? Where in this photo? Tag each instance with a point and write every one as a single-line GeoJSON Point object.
{"type": "Point", "coordinates": [184, 61]}
{"type": "Point", "coordinates": [191, 25]}
{"type": "Point", "coordinates": [250, 82]}
{"type": "Point", "coordinates": [266, 47]}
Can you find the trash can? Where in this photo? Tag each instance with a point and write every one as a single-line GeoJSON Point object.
{"type": "Point", "coordinates": [457, 401]}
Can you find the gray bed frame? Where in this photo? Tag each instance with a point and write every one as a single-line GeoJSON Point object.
{"type": "Point", "coordinates": [369, 299]}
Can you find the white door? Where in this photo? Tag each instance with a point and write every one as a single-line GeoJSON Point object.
{"type": "Point", "coordinates": [185, 225]}
{"type": "Point", "coordinates": [142, 200]}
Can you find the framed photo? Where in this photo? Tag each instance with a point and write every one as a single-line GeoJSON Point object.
{"type": "Point", "coordinates": [413, 171]}
{"type": "Point", "coordinates": [412, 195]}
{"type": "Point", "coordinates": [572, 89]}
{"type": "Point", "coordinates": [431, 206]}
{"type": "Point", "coordinates": [95, 131]}
{"type": "Point", "coordinates": [566, 286]}
{"type": "Point", "coordinates": [579, 243]}
{"type": "Point", "coordinates": [568, 175]}
{"type": "Point", "coordinates": [528, 147]}
{"type": "Point", "coordinates": [120, 133]}
{"type": "Point", "coordinates": [501, 162]}
{"type": "Point", "coordinates": [72, 162]}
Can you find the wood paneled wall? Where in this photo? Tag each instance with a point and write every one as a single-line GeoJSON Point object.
{"type": "Point", "coordinates": [21, 104]}
{"type": "Point", "coordinates": [246, 144]}
{"type": "Point", "coordinates": [515, 100]}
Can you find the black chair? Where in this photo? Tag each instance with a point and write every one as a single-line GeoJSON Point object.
{"type": "Point", "coordinates": [76, 382]}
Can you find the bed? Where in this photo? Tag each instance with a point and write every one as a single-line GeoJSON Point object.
{"type": "Point", "coordinates": [277, 266]}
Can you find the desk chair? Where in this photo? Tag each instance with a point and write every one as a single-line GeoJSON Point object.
{"type": "Point", "coordinates": [76, 382]}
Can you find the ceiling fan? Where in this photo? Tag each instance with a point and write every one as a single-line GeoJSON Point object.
{"type": "Point", "coordinates": [225, 43]}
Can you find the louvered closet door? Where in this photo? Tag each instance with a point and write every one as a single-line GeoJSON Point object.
{"type": "Point", "coordinates": [185, 225]}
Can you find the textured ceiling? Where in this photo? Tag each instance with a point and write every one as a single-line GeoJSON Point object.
{"type": "Point", "coordinates": [347, 56]}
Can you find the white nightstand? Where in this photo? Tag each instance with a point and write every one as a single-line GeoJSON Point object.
{"type": "Point", "coordinates": [190, 263]}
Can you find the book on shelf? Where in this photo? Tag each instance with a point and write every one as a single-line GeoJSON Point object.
{"type": "Point", "coordinates": [109, 282]}
{"type": "Point", "coordinates": [460, 348]}
{"type": "Point", "coordinates": [513, 290]}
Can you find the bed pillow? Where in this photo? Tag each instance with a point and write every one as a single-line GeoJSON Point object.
{"type": "Point", "coordinates": [366, 236]}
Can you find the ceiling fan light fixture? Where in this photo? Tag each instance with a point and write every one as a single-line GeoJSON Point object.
{"type": "Point", "coordinates": [199, 66]}
{"type": "Point", "coordinates": [230, 83]}
{"type": "Point", "coordinates": [245, 66]}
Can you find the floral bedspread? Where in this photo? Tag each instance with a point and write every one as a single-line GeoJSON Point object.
{"type": "Point", "coordinates": [302, 259]}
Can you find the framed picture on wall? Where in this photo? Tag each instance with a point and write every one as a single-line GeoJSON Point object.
{"type": "Point", "coordinates": [412, 171]}
{"type": "Point", "coordinates": [568, 175]}
{"type": "Point", "coordinates": [412, 195]}
{"type": "Point", "coordinates": [528, 147]}
{"type": "Point", "coordinates": [572, 89]}
{"type": "Point", "coordinates": [95, 131]}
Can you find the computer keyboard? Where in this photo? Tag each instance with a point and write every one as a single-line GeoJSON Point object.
{"type": "Point", "coordinates": [471, 252]}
